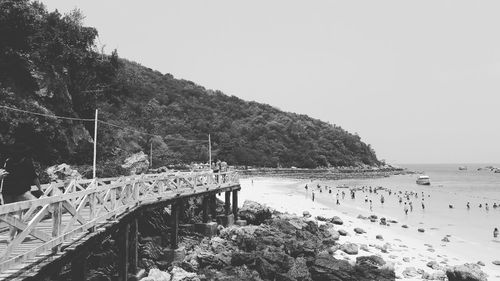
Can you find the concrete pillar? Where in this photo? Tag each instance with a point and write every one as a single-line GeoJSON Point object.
{"type": "Point", "coordinates": [205, 209]}
{"type": "Point", "coordinates": [213, 206]}
{"type": "Point", "coordinates": [175, 226]}
{"type": "Point", "coordinates": [227, 203]}
{"type": "Point", "coordinates": [134, 256]}
{"type": "Point", "coordinates": [235, 203]}
{"type": "Point", "coordinates": [123, 251]}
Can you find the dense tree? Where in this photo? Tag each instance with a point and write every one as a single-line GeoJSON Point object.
{"type": "Point", "coordinates": [49, 64]}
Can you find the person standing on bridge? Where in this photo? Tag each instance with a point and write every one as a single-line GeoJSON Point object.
{"type": "Point", "coordinates": [21, 174]}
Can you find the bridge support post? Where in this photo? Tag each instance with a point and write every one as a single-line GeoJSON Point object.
{"type": "Point", "coordinates": [134, 256]}
{"type": "Point", "coordinates": [228, 218]}
{"type": "Point", "coordinates": [205, 209]}
{"type": "Point", "coordinates": [235, 203]}
{"type": "Point", "coordinates": [213, 206]}
{"type": "Point", "coordinates": [123, 251]}
{"type": "Point", "coordinates": [175, 225]}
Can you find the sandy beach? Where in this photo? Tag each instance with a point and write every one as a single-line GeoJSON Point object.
{"type": "Point", "coordinates": [409, 250]}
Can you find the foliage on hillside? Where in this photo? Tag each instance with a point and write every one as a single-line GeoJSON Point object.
{"type": "Point", "coordinates": [49, 64]}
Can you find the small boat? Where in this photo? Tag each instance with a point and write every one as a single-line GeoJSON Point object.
{"type": "Point", "coordinates": [423, 180]}
{"type": "Point", "coordinates": [462, 168]}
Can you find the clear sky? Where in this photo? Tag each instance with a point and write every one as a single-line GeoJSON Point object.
{"type": "Point", "coordinates": [418, 80]}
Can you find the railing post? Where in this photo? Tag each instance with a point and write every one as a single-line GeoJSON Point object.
{"type": "Point", "coordinates": [123, 251]}
{"type": "Point", "coordinates": [235, 204]}
{"type": "Point", "coordinates": [92, 203]}
{"type": "Point", "coordinates": [56, 219]}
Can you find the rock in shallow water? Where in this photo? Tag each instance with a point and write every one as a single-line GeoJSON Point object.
{"type": "Point", "coordinates": [359, 230]}
{"type": "Point", "coordinates": [337, 220]}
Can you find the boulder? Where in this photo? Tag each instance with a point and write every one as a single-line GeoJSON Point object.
{"type": "Point", "coordinates": [62, 172]}
{"type": "Point", "coordinates": [337, 220]}
{"type": "Point", "coordinates": [179, 274]}
{"type": "Point", "coordinates": [421, 230]}
{"type": "Point", "coordinates": [321, 218]}
{"type": "Point", "coordinates": [410, 272]}
{"type": "Point", "coordinates": [326, 268]}
{"type": "Point", "coordinates": [379, 237]}
{"type": "Point", "coordinates": [481, 263]}
{"type": "Point", "coordinates": [434, 265]}
{"type": "Point", "coordinates": [404, 226]}
{"type": "Point", "coordinates": [445, 239]}
{"type": "Point", "coordinates": [158, 275]}
{"type": "Point", "coordinates": [466, 272]}
{"type": "Point", "coordinates": [373, 261]}
{"type": "Point", "coordinates": [306, 214]}
{"type": "Point", "coordinates": [342, 232]}
{"type": "Point", "coordinates": [254, 213]}
{"type": "Point", "coordinates": [496, 262]}
{"type": "Point", "coordinates": [349, 248]}
{"type": "Point", "coordinates": [137, 163]}
{"type": "Point", "coordinates": [359, 230]}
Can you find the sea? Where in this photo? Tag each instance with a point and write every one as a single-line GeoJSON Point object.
{"type": "Point", "coordinates": [444, 212]}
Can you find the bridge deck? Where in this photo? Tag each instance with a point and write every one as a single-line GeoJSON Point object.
{"type": "Point", "coordinates": [68, 212]}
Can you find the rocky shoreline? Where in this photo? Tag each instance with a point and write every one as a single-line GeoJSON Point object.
{"type": "Point", "coordinates": [280, 246]}
{"type": "Point", "coordinates": [324, 174]}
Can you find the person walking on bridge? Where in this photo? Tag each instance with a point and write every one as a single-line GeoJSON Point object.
{"type": "Point", "coordinates": [21, 174]}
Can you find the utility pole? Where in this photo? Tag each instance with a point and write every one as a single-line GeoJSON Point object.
{"type": "Point", "coordinates": [209, 152]}
{"type": "Point", "coordinates": [151, 154]}
{"type": "Point", "coordinates": [95, 143]}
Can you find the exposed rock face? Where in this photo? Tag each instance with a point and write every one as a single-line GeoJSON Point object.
{"type": "Point", "coordinates": [254, 213]}
{"type": "Point", "coordinates": [466, 272]}
{"type": "Point", "coordinates": [137, 163]}
{"type": "Point", "coordinates": [62, 172]}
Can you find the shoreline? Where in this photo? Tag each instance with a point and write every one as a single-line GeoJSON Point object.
{"type": "Point", "coordinates": [406, 250]}
{"type": "Point", "coordinates": [324, 174]}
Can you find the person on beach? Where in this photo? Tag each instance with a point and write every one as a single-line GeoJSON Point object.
{"type": "Point", "coordinates": [371, 205]}
{"type": "Point", "coordinates": [480, 205]}
{"type": "Point", "coordinates": [366, 198]}
{"type": "Point", "coordinates": [405, 208]}
{"type": "Point", "coordinates": [343, 195]}
{"type": "Point", "coordinates": [382, 199]}
{"type": "Point", "coordinates": [495, 233]}
{"type": "Point", "coordinates": [468, 205]}
{"type": "Point", "coordinates": [486, 207]}
{"type": "Point", "coordinates": [306, 187]}
{"type": "Point", "coordinates": [411, 206]}
{"type": "Point", "coordinates": [401, 200]}
{"type": "Point", "coordinates": [313, 196]}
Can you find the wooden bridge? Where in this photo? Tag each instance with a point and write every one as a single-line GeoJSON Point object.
{"type": "Point", "coordinates": [55, 226]}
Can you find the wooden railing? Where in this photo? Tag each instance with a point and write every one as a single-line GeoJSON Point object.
{"type": "Point", "coordinates": [67, 210]}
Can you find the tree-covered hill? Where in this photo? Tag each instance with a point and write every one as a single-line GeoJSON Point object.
{"type": "Point", "coordinates": [49, 64]}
